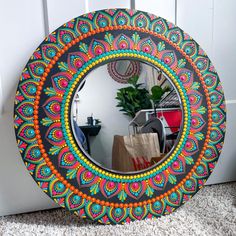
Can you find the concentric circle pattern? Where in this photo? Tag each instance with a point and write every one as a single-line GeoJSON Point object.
{"type": "Point", "coordinates": [134, 69]}
{"type": "Point", "coordinates": [43, 128]}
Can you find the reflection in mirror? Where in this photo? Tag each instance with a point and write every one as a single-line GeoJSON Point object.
{"type": "Point", "coordinates": [122, 70]}
{"type": "Point", "coordinates": [127, 127]}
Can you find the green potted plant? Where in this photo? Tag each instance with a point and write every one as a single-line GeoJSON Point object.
{"type": "Point", "coordinates": [133, 98]}
{"type": "Point", "coordinates": [156, 95]}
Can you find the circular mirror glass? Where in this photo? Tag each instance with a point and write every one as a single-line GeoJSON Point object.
{"type": "Point", "coordinates": [126, 127]}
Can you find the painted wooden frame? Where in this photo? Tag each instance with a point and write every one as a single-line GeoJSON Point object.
{"type": "Point", "coordinates": [43, 116]}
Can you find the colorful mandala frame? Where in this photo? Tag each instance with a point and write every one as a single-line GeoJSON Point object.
{"type": "Point", "coordinates": [44, 133]}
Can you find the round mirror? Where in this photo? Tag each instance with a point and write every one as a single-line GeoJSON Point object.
{"type": "Point", "coordinates": [126, 127]}
{"type": "Point", "coordinates": [117, 152]}
{"type": "Point", "coordinates": [122, 70]}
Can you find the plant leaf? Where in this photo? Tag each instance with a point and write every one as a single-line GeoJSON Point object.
{"type": "Point", "coordinates": [133, 80]}
{"type": "Point", "coordinates": [157, 93]}
{"type": "Point", "coordinates": [132, 99]}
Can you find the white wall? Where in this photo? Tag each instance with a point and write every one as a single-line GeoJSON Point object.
{"type": "Point", "coordinates": [22, 29]}
{"type": "Point", "coordinates": [23, 25]}
{"type": "Point", "coordinates": [211, 24]}
{"type": "Point", "coordinates": [98, 98]}
{"type": "Point", "coordinates": [163, 8]}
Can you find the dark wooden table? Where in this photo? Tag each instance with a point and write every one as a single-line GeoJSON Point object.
{"type": "Point", "coordinates": [90, 130]}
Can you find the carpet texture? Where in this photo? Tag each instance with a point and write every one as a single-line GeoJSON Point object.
{"type": "Point", "coordinates": [212, 211]}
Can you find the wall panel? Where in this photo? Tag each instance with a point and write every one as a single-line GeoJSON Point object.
{"type": "Point", "coordinates": [223, 57]}
{"type": "Point", "coordinates": [22, 29]}
{"type": "Point", "coordinates": [224, 46]}
{"type": "Point", "coordinates": [61, 11]}
{"type": "Point", "coordinates": [165, 9]}
{"type": "Point", "coordinates": [94, 5]}
{"type": "Point", "coordinates": [225, 170]}
{"type": "Point", "coordinates": [196, 18]}
{"type": "Point", "coordinates": [210, 23]}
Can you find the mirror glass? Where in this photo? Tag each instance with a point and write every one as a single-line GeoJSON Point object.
{"type": "Point", "coordinates": [122, 70]}
{"type": "Point", "coordinates": [126, 127]}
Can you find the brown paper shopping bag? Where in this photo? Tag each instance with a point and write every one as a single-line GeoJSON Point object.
{"type": "Point", "coordinates": [134, 152]}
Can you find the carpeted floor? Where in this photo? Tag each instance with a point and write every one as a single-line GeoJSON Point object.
{"type": "Point", "coordinates": [212, 211]}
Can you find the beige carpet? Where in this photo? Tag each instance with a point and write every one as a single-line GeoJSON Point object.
{"type": "Point", "coordinates": [212, 211]}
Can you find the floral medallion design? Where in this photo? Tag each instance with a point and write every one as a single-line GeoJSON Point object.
{"type": "Point", "coordinates": [44, 133]}
{"type": "Point", "coordinates": [134, 68]}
